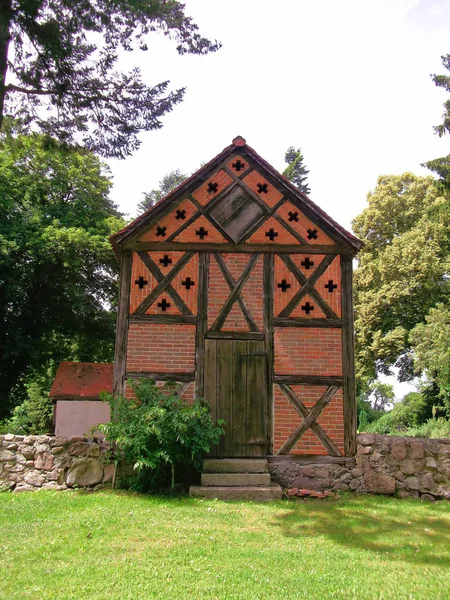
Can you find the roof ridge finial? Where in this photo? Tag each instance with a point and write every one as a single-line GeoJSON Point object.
{"type": "Point", "coordinates": [239, 141]}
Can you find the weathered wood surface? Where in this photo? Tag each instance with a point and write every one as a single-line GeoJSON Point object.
{"type": "Point", "coordinates": [163, 318]}
{"type": "Point", "coordinates": [202, 322]}
{"type": "Point", "coordinates": [268, 310]}
{"type": "Point", "coordinates": [235, 335]}
{"type": "Point", "coordinates": [238, 248]}
{"type": "Point", "coordinates": [309, 379]}
{"type": "Point", "coordinates": [120, 351]}
{"type": "Point", "coordinates": [304, 322]}
{"type": "Point", "coordinates": [348, 357]}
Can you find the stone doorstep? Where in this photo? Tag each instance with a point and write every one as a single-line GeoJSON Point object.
{"type": "Point", "coordinates": [235, 465]}
{"type": "Point", "coordinates": [257, 493]}
{"type": "Point", "coordinates": [235, 479]}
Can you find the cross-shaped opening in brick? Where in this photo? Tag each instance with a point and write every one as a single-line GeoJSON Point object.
{"type": "Point", "coordinates": [164, 305]}
{"type": "Point", "coordinates": [212, 187]}
{"type": "Point", "coordinates": [331, 286]}
{"type": "Point", "coordinates": [312, 234]}
{"type": "Point", "coordinates": [141, 282]}
{"type": "Point", "coordinates": [284, 285]}
{"type": "Point", "coordinates": [165, 261]}
{"type": "Point", "coordinates": [188, 283]}
{"type": "Point", "coordinates": [293, 216]}
{"type": "Point", "coordinates": [161, 231]}
{"type": "Point", "coordinates": [307, 263]}
{"type": "Point", "coordinates": [307, 307]}
{"type": "Point", "coordinates": [202, 232]}
{"type": "Point", "coordinates": [180, 214]}
{"type": "Point", "coordinates": [238, 165]}
{"type": "Point", "coordinates": [262, 188]}
{"type": "Point", "coordinates": [272, 234]}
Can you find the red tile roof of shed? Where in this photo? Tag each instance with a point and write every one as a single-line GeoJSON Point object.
{"type": "Point", "coordinates": [78, 380]}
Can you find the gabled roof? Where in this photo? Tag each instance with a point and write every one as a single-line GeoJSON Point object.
{"type": "Point", "coordinates": [82, 381]}
{"type": "Point", "coordinates": [240, 147]}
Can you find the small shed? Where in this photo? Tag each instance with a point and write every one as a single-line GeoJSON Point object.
{"type": "Point", "coordinates": [76, 396]}
{"type": "Point", "coordinates": [238, 287]}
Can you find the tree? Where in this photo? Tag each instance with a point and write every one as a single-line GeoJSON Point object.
{"type": "Point", "coordinates": [166, 185]}
{"type": "Point", "coordinates": [62, 58]}
{"type": "Point", "coordinates": [296, 170]}
{"type": "Point", "coordinates": [383, 394]}
{"type": "Point", "coordinates": [58, 274]}
{"type": "Point", "coordinates": [431, 344]}
{"type": "Point", "coordinates": [402, 272]}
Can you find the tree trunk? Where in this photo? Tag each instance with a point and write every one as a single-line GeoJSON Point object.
{"type": "Point", "coordinates": [5, 37]}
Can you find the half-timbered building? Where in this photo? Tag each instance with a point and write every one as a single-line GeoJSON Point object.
{"type": "Point", "coordinates": [239, 288]}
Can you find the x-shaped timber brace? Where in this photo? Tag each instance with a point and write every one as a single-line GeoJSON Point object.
{"type": "Point", "coordinates": [235, 293]}
{"type": "Point", "coordinates": [307, 286]}
{"type": "Point", "coordinates": [309, 420]}
{"type": "Point", "coordinates": [164, 283]}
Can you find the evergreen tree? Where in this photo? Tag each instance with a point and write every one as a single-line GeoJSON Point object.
{"type": "Point", "coordinates": [168, 183]}
{"type": "Point", "coordinates": [296, 171]}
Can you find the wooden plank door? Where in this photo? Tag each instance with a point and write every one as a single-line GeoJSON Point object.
{"type": "Point", "coordinates": [236, 390]}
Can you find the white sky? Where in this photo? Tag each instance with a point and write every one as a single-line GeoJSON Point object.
{"type": "Point", "coordinates": [348, 81]}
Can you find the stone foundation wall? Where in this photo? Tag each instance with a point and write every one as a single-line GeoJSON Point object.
{"type": "Point", "coordinates": [52, 462]}
{"type": "Point", "coordinates": [406, 467]}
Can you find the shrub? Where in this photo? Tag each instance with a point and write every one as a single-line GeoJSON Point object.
{"type": "Point", "coordinates": [158, 431]}
{"type": "Point", "coordinates": [34, 415]}
{"type": "Point", "coordinates": [433, 428]}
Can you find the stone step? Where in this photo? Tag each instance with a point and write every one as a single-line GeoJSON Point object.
{"type": "Point", "coordinates": [235, 465]}
{"type": "Point", "coordinates": [257, 493]}
{"type": "Point", "coordinates": [235, 479]}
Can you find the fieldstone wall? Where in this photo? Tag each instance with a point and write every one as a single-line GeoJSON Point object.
{"type": "Point", "coordinates": [406, 467]}
{"type": "Point", "coordinates": [52, 462]}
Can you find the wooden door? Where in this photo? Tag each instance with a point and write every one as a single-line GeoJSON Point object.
{"type": "Point", "coordinates": [236, 390]}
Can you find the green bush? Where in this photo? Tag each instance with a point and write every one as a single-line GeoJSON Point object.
{"type": "Point", "coordinates": [34, 415]}
{"type": "Point", "coordinates": [159, 433]}
{"type": "Point", "coordinates": [433, 428]}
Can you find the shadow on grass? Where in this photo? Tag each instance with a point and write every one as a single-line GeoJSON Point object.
{"type": "Point", "coordinates": [401, 531]}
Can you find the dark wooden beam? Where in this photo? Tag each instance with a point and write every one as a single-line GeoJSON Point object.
{"type": "Point", "coordinates": [237, 248]}
{"type": "Point", "coordinates": [163, 318]}
{"type": "Point", "coordinates": [225, 310]}
{"type": "Point", "coordinates": [120, 351]}
{"type": "Point", "coordinates": [348, 356]}
{"type": "Point", "coordinates": [326, 442]}
{"type": "Point", "coordinates": [268, 283]}
{"type": "Point", "coordinates": [290, 229]}
{"type": "Point", "coordinates": [308, 379]}
{"type": "Point", "coordinates": [202, 323]}
{"type": "Point", "coordinates": [308, 420]}
{"type": "Point", "coordinates": [235, 335]}
{"type": "Point", "coordinates": [299, 322]}
{"type": "Point", "coordinates": [231, 283]}
{"type": "Point", "coordinates": [161, 376]}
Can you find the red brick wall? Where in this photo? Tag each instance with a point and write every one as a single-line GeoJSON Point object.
{"type": "Point", "coordinates": [287, 419]}
{"type": "Point", "coordinates": [308, 351]}
{"type": "Point", "coordinates": [158, 347]}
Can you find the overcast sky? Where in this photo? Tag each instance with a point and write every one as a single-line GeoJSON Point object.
{"type": "Point", "coordinates": [348, 81]}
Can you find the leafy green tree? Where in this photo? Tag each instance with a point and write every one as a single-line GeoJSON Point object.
{"type": "Point", "coordinates": [58, 274]}
{"type": "Point", "coordinates": [296, 170]}
{"type": "Point", "coordinates": [166, 185]}
{"type": "Point", "coordinates": [431, 345]}
{"type": "Point", "coordinates": [383, 394]}
{"type": "Point", "coordinates": [62, 57]}
{"type": "Point", "coordinates": [402, 272]}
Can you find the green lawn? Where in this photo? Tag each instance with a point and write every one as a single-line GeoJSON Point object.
{"type": "Point", "coordinates": [114, 545]}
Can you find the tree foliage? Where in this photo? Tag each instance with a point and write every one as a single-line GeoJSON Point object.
{"type": "Point", "coordinates": [59, 68]}
{"type": "Point", "coordinates": [296, 170]}
{"type": "Point", "coordinates": [402, 272]}
{"type": "Point", "coordinates": [168, 183]}
{"type": "Point", "coordinates": [58, 274]}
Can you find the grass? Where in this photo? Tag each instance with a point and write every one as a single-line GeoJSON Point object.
{"type": "Point", "coordinates": [116, 545]}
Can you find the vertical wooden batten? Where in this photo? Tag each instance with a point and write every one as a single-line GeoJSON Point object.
{"type": "Point", "coordinates": [202, 323]}
{"type": "Point", "coordinates": [348, 357]}
{"type": "Point", "coordinates": [120, 352]}
{"type": "Point", "coordinates": [268, 278]}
